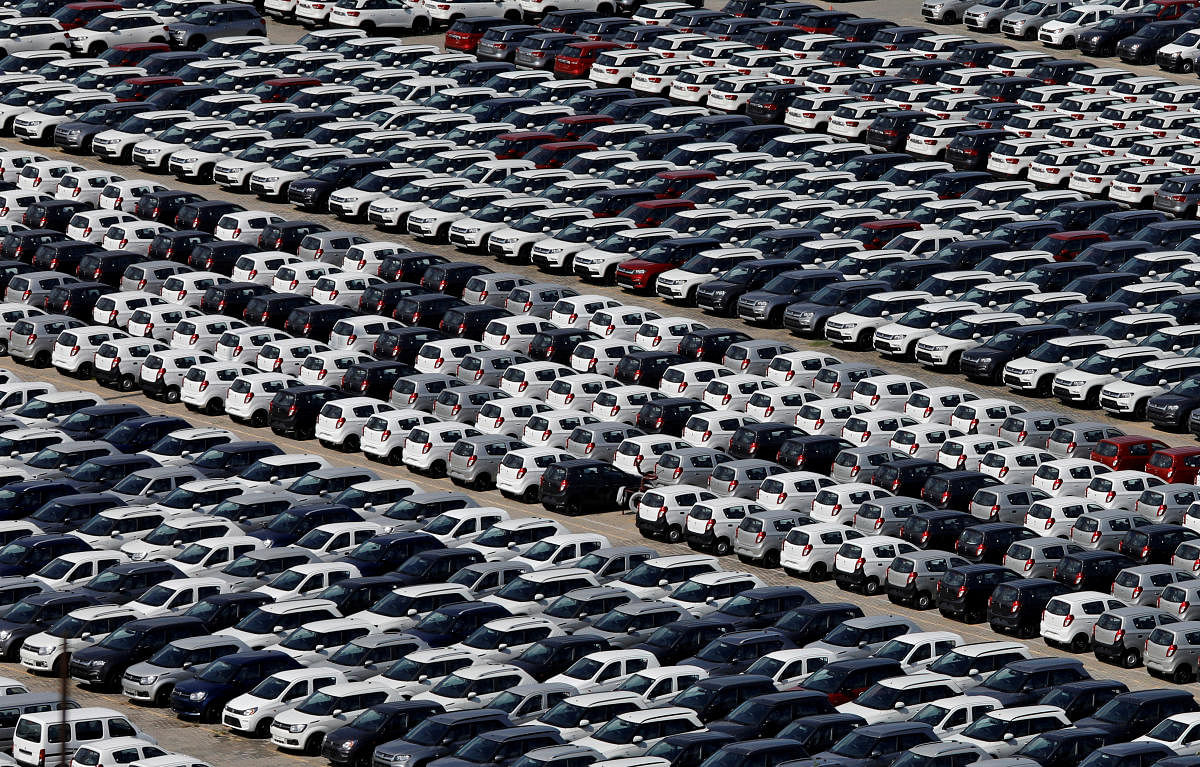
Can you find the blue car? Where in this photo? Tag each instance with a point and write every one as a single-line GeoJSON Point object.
{"type": "Point", "coordinates": [204, 696]}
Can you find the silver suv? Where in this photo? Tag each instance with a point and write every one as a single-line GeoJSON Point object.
{"type": "Point", "coordinates": [1173, 651]}
{"type": "Point", "coordinates": [912, 579]}
{"type": "Point", "coordinates": [1121, 634]}
{"type": "Point", "coordinates": [1025, 21]}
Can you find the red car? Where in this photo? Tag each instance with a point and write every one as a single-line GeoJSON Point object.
{"type": "Point", "coordinates": [142, 88]}
{"type": "Point", "coordinates": [1128, 452]}
{"type": "Point", "coordinates": [572, 127]}
{"type": "Point", "coordinates": [576, 59]}
{"type": "Point", "coordinates": [464, 35]}
{"type": "Point", "coordinates": [1175, 464]}
{"type": "Point", "coordinates": [556, 153]}
{"type": "Point", "coordinates": [1065, 246]}
{"type": "Point", "coordinates": [74, 15]}
{"type": "Point", "coordinates": [875, 234]}
{"type": "Point", "coordinates": [515, 145]}
{"type": "Point", "coordinates": [674, 183]}
{"type": "Point", "coordinates": [652, 213]}
{"type": "Point", "coordinates": [131, 54]}
{"type": "Point", "coordinates": [1167, 10]}
{"type": "Point", "coordinates": [280, 89]}
{"type": "Point", "coordinates": [642, 273]}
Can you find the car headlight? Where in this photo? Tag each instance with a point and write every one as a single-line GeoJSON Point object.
{"type": "Point", "coordinates": [807, 315]}
{"type": "Point", "coordinates": [48, 650]}
{"type": "Point", "coordinates": [401, 758]}
{"type": "Point", "coordinates": [297, 727]}
{"type": "Point", "coordinates": [98, 663]}
{"type": "Point", "coordinates": [5, 635]}
{"type": "Point", "coordinates": [198, 695]}
{"type": "Point", "coordinates": [137, 556]}
{"type": "Point", "coordinates": [346, 745]}
{"type": "Point", "coordinates": [148, 679]}
{"type": "Point", "coordinates": [250, 711]}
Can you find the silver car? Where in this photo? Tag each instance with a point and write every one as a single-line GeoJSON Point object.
{"type": "Point", "coordinates": [1076, 440]}
{"type": "Point", "coordinates": [463, 403]}
{"type": "Point", "coordinates": [368, 655]}
{"type": "Point", "coordinates": [1144, 584]}
{"type": "Point", "coordinates": [912, 579]}
{"type": "Point", "coordinates": [754, 357]}
{"type": "Point", "coordinates": [1173, 651]}
{"type": "Point", "coordinates": [329, 247]}
{"type": "Point", "coordinates": [858, 464]}
{"type": "Point", "coordinates": [600, 440]}
{"type": "Point", "coordinates": [886, 516]}
{"type": "Point", "coordinates": [483, 578]}
{"type": "Point", "coordinates": [838, 380]}
{"type": "Point", "coordinates": [486, 368]}
{"type": "Point", "coordinates": [492, 289]}
{"type": "Point", "coordinates": [1005, 503]}
{"type": "Point", "coordinates": [760, 536]}
{"type": "Point", "coordinates": [742, 478]}
{"type": "Point", "coordinates": [474, 461]}
{"type": "Point", "coordinates": [986, 16]}
{"type": "Point", "coordinates": [945, 11]}
{"type": "Point", "coordinates": [32, 339]}
{"type": "Point", "coordinates": [580, 608]}
{"type": "Point", "coordinates": [688, 466]}
{"type": "Point", "coordinates": [152, 680]}
{"type": "Point", "coordinates": [1103, 530]}
{"type": "Point", "coordinates": [1033, 428]}
{"type": "Point", "coordinates": [527, 702]}
{"type": "Point", "coordinates": [612, 562]}
{"type": "Point", "coordinates": [1025, 21]}
{"type": "Point", "coordinates": [421, 391]}
{"type": "Point", "coordinates": [537, 299]}
{"type": "Point", "coordinates": [34, 287]}
{"type": "Point", "coordinates": [1121, 634]}
{"type": "Point", "coordinates": [1037, 557]}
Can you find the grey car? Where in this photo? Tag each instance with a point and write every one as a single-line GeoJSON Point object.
{"type": "Point", "coordinates": [1037, 557]}
{"type": "Point", "coordinates": [463, 403]}
{"type": "Point", "coordinates": [474, 461]}
{"type": "Point", "coordinates": [211, 21]}
{"type": "Point", "coordinates": [568, 755]}
{"type": "Point", "coordinates": [34, 288]}
{"type": "Point", "coordinates": [985, 17]}
{"type": "Point", "coordinates": [1172, 651]}
{"type": "Point", "coordinates": [1033, 428]}
{"type": "Point", "coordinates": [483, 578]}
{"type": "Point", "coordinates": [1024, 22]}
{"type": "Point", "coordinates": [254, 510]}
{"type": "Point", "coordinates": [886, 516]}
{"type": "Point", "coordinates": [152, 484]}
{"type": "Point", "coordinates": [860, 637]}
{"type": "Point", "coordinates": [15, 588]}
{"type": "Point", "coordinates": [538, 299]}
{"type": "Point", "coordinates": [150, 275]}
{"type": "Point", "coordinates": [255, 568]}
{"type": "Point", "coordinates": [1144, 584]}
{"type": "Point", "coordinates": [369, 655]}
{"type": "Point", "coordinates": [600, 440]}
{"type": "Point", "coordinates": [58, 460]}
{"type": "Point", "coordinates": [421, 391]}
{"type": "Point", "coordinates": [413, 512]}
{"type": "Point", "coordinates": [688, 466]}
{"type": "Point", "coordinates": [329, 247]}
{"type": "Point", "coordinates": [858, 464]}
{"type": "Point", "coordinates": [32, 339]}
{"type": "Point", "coordinates": [1165, 504]}
{"type": "Point", "coordinates": [838, 380]}
{"type": "Point", "coordinates": [486, 368]}
{"type": "Point", "coordinates": [1178, 194]}
{"type": "Point", "coordinates": [1103, 530]}
{"type": "Point", "coordinates": [912, 579]}
{"type": "Point", "coordinates": [579, 608]}
{"type": "Point", "coordinates": [526, 702]}
{"type": "Point", "coordinates": [759, 537]}
{"type": "Point", "coordinates": [754, 357]}
{"type": "Point", "coordinates": [1005, 503]}
{"type": "Point", "coordinates": [742, 478]}
{"type": "Point", "coordinates": [152, 680]}
{"type": "Point", "coordinates": [1121, 634]}
{"type": "Point", "coordinates": [945, 11]}
{"type": "Point", "coordinates": [492, 288]}
{"type": "Point", "coordinates": [1076, 440]}
{"type": "Point", "coordinates": [631, 623]}
{"type": "Point", "coordinates": [613, 562]}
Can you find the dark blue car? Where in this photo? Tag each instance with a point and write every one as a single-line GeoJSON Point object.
{"type": "Point", "coordinates": [384, 553]}
{"type": "Point", "coordinates": [20, 499]}
{"type": "Point", "coordinates": [290, 526]}
{"type": "Point", "coordinates": [204, 696]}
{"type": "Point", "coordinates": [137, 434]}
{"type": "Point", "coordinates": [454, 623]}
{"type": "Point", "coordinates": [98, 420]}
{"type": "Point", "coordinates": [27, 555]}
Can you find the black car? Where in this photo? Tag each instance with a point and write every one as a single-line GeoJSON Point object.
{"type": "Point", "coordinates": [669, 415]}
{"type": "Point", "coordinates": [1130, 715]}
{"type": "Point", "coordinates": [312, 193]}
{"type": "Point", "coordinates": [1080, 699]}
{"type": "Point", "coordinates": [715, 697]}
{"type": "Point", "coordinates": [646, 368]}
{"type": "Point", "coordinates": [293, 412]}
{"type": "Point", "coordinates": [964, 593]}
{"type": "Point", "coordinates": [1066, 747]}
{"type": "Point", "coordinates": [62, 256]}
{"type": "Point", "coordinates": [163, 206]}
{"type": "Point", "coordinates": [889, 130]}
{"type": "Point", "coordinates": [221, 611]}
{"type": "Point", "coordinates": [845, 680]}
{"type": "Point", "coordinates": [811, 452]}
{"type": "Point", "coordinates": [102, 664]}
{"type": "Point", "coordinates": [287, 235]}
{"type": "Point", "coordinates": [177, 246]}
{"type": "Point", "coordinates": [906, 476]}
{"type": "Point", "coordinates": [970, 149]}
{"type": "Point", "coordinates": [1024, 682]}
{"type": "Point", "coordinates": [939, 529]}
{"type": "Point", "coordinates": [76, 299]}
{"type": "Point", "coordinates": [95, 420]}
{"type": "Point", "coordinates": [382, 299]}
{"type": "Point", "coordinates": [1141, 46]}
{"type": "Point", "coordinates": [1090, 570]}
{"type": "Point", "coordinates": [988, 542]}
{"type": "Point", "coordinates": [954, 489]}
{"type": "Point", "coordinates": [763, 606]}
{"type": "Point", "coordinates": [709, 345]}
{"type": "Point", "coordinates": [29, 553]}
{"type": "Point", "coordinates": [231, 298]}
{"type": "Point", "coordinates": [220, 256]}
{"type": "Point", "coordinates": [408, 267]}
{"type": "Point", "coordinates": [108, 266]}
{"type": "Point", "coordinates": [232, 458]}
{"type": "Point", "coordinates": [435, 565]}
{"type": "Point", "coordinates": [768, 303]}
{"type": "Point", "coordinates": [1055, 276]}
{"type": "Point", "coordinates": [471, 321]}
{"type": "Point", "coordinates": [811, 622]}
{"type": "Point", "coordinates": [204, 214]}
{"type": "Point", "coordinates": [347, 746]}
{"type": "Point", "coordinates": [36, 613]}
{"type": "Point", "coordinates": [1016, 607]}
{"type": "Point", "coordinates": [559, 344]}
{"type": "Point", "coordinates": [1154, 544]}
{"type": "Point", "coordinates": [554, 655]}
{"type": "Point", "coordinates": [126, 582]}
{"type": "Point", "coordinates": [807, 318]}
{"type": "Point", "coordinates": [759, 720]}
{"type": "Point", "coordinates": [374, 378]}
{"type": "Point", "coordinates": [273, 309]}
{"type": "Point", "coordinates": [1172, 411]}
{"type": "Point", "coordinates": [140, 432]}
{"type": "Point", "coordinates": [383, 553]}
{"type": "Point", "coordinates": [316, 322]}
{"type": "Point", "coordinates": [985, 363]}
{"type": "Point", "coordinates": [760, 440]}
{"type": "Point", "coordinates": [575, 487]}
{"type": "Point", "coordinates": [53, 214]}
{"type": "Point", "coordinates": [402, 344]}
{"type": "Point", "coordinates": [76, 136]}
{"type": "Point", "coordinates": [452, 277]}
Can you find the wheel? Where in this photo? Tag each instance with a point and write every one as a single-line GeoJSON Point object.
{"type": "Point", "coordinates": [721, 548]}
{"type": "Point", "coordinates": [312, 746]}
{"type": "Point", "coordinates": [395, 457]}
{"type": "Point", "coordinates": [368, 27]}
{"type": "Point", "coordinates": [771, 559]}
{"type": "Point", "coordinates": [819, 572]}
{"type": "Point", "coordinates": [350, 444]}
{"type": "Point", "coordinates": [263, 729]}
{"type": "Point", "coordinates": [923, 600]}
{"type": "Point", "coordinates": [674, 534]}
{"type": "Point", "coordinates": [950, 18]}
{"type": "Point", "coordinates": [85, 370]}
{"type": "Point", "coordinates": [1131, 659]}
{"type": "Point", "coordinates": [41, 359]}
{"type": "Point", "coordinates": [3, 346]}
{"type": "Point", "coordinates": [259, 418]}
{"type": "Point", "coordinates": [171, 395]}
{"type": "Point", "coordinates": [1182, 675]}
{"type": "Point", "coordinates": [604, 9]}
{"type": "Point", "coordinates": [126, 382]}
{"type": "Point", "coordinates": [482, 482]}
{"type": "Point", "coordinates": [196, 42]}
{"type": "Point", "coordinates": [530, 495]}
{"type": "Point", "coordinates": [95, 49]}
{"type": "Point", "coordinates": [871, 586]}
{"type": "Point", "coordinates": [437, 469]}
{"type": "Point", "coordinates": [215, 406]}
{"type": "Point", "coordinates": [1079, 643]}
{"type": "Point", "coordinates": [420, 25]}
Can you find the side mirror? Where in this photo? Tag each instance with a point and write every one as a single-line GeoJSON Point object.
{"type": "Point", "coordinates": [935, 324]}
{"type": "Point", "coordinates": [274, 480]}
{"type": "Point", "coordinates": [502, 646]}
{"type": "Point", "coordinates": [631, 630]}
{"type": "Point", "coordinates": [186, 454]}
{"type": "Point", "coordinates": [638, 739]}
{"type": "Point", "coordinates": [337, 712]}
{"type": "Point", "coordinates": [885, 313]}
{"type": "Point", "coordinates": [368, 505]}
{"type": "Point", "coordinates": [187, 664]}
{"type": "Point", "coordinates": [1066, 360]}
{"type": "Point", "coordinates": [319, 648]}
{"type": "Point", "coordinates": [115, 534]}
{"type": "Point", "coordinates": [584, 722]}
{"type": "Point", "coordinates": [1162, 382]}
{"type": "Point", "coordinates": [14, 454]}
{"type": "Point", "coordinates": [322, 492]}
{"type": "Point", "coordinates": [195, 506]}
{"type": "Point", "coordinates": [976, 336]}
{"type": "Point", "coordinates": [708, 600]}
{"type": "Point", "coordinates": [862, 644]}
{"type": "Point", "coordinates": [1008, 736]}
{"type": "Point", "coordinates": [973, 672]}
{"type": "Point", "coordinates": [86, 636]}
{"type": "Point", "coordinates": [411, 611]}
{"type": "Point", "coordinates": [538, 597]}
{"type": "Point", "coordinates": [1040, 314]}
{"type": "Point", "coordinates": [277, 630]}
{"type": "Point", "coordinates": [663, 582]}
{"type": "Point", "coordinates": [423, 678]}
{"type": "Point", "coordinates": [1115, 371]}
{"type": "Point", "coordinates": [176, 543]}
{"type": "Point", "coordinates": [900, 705]}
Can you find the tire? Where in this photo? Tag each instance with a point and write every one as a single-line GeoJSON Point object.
{"type": "Point", "coordinates": [483, 482]}
{"type": "Point", "coordinates": [350, 444]}
{"type": "Point", "coordinates": [126, 382]}
{"type": "Point", "coordinates": [771, 559]}
{"type": "Point", "coordinates": [395, 457]}
{"type": "Point", "coordinates": [3, 346]}
{"type": "Point", "coordinates": [437, 469]}
{"type": "Point", "coordinates": [312, 746]}
{"type": "Point", "coordinates": [215, 406]}
{"type": "Point", "coordinates": [604, 9]}
{"type": "Point", "coordinates": [95, 49]}
{"type": "Point", "coordinates": [923, 601]}
{"type": "Point", "coordinates": [85, 370]}
{"type": "Point", "coordinates": [420, 26]}
{"type": "Point", "coordinates": [1182, 674]}
{"type": "Point", "coordinates": [871, 586]}
{"type": "Point", "coordinates": [163, 696]}
{"type": "Point", "coordinates": [171, 395]}
{"type": "Point", "coordinates": [196, 42]}
{"type": "Point", "coordinates": [368, 27]}
{"type": "Point", "coordinates": [819, 572]}
{"type": "Point", "coordinates": [1079, 643]}
{"type": "Point", "coordinates": [263, 729]}
{"type": "Point", "coordinates": [950, 18]}
{"type": "Point", "coordinates": [41, 360]}
{"type": "Point", "coordinates": [722, 548]}
{"type": "Point", "coordinates": [674, 534]}
{"type": "Point", "coordinates": [530, 495]}
{"type": "Point", "coordinates": [259, 418]}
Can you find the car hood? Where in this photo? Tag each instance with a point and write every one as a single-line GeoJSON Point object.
{"type": "Point", "coordinates": [770, 298]}
{"type": "Point", "coordinates": [415, 752]}
{"type": "Point", "coordinates": [99, 653]}
{"type": "Point", "coordinates": [106, 597]}
{"type": "Point", "coordinates": [819, 310]}
{"type": "Point", "coordinates": [736, 729]}
{"type": "Point", "coordinates": [1091, 721]}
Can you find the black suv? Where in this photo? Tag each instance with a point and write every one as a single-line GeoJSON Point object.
{"type": "Point", "coordinates": [578, 486]}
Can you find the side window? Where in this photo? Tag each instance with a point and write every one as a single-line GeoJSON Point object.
{"type": "Point", "coordinates": [90, 729]}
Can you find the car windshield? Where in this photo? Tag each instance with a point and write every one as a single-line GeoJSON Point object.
{"type": "Point", "coordinates": [564, 714]}
{"type": "Point", "coordinates": [122, 640]}
{"type": "Point", "coordinates": [645, 574]}
{"type": "Point", "coordinates": [987, 728]}
{"type": "Point", "coordinates": [453, 686]}
{"type": "Point", "coordinates": [880, 697]}
{"type": "Point", "coordinates": [616, 730]}
{"type": "Point", "coordinates": [845, 635]}
{"type": "Point", "coordinates": [319, 704]}
{"type": "Point", "coordinates": [953, 664]}
{"type": "Point", "coordinates": [1006, 680]}
{"type": "Point", "coordinates": [856, 745]}
{"type": "Point", "coordinates": [269, 688]}
{"type": "Point", "coordinates": [429, 732]}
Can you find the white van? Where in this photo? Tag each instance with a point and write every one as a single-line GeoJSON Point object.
{"type": "Point", "coordinates": [39, 739]}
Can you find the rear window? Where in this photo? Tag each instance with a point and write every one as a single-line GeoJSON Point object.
{"type": "Point", "coordinates": [1106, 449]}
